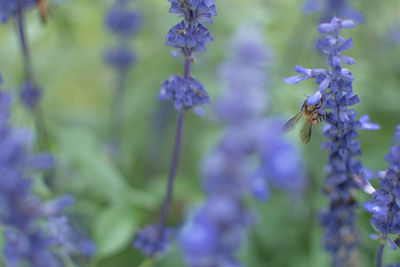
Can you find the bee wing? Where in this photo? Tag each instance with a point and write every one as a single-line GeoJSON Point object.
{"type": "Point", "coordinates": [305, 133]}
{"type": "Point", "coordinates": [290, 124]}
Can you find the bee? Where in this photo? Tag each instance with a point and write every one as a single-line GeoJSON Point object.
{"type": "Point", "coordinates": [311, 115]}
{"type": "Point", "coordinates": [42, 7]}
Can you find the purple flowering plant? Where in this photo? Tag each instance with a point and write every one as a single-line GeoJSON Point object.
{"type": "Point", "coordinates": [36, 231]}
{"type": "Point", "coordinates": [188, 36]}
{"type": "Point", "coordinates": [385, 201]}
{"type": "Point", "coordinates": [335, 90]}
{"type": "Point", "coordinates": [250, 156]}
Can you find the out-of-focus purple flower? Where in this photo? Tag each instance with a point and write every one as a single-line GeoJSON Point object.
{"type": "Point", "coordinates": [330, 8]}
{"type": "Point", "coordinates": [336, 92]}
{"type": "Point", "coordinates": [22, 213]}
{"type": "Point", "coordinates": [148, 241]}
{"type": "Point", "coordinates": [9, 8]}
{"type": "Point", "coordinates": [251, 155]}
{"type": "Point", "coordinates": [121, 20]}
{"type": "Point", "coordinates": [120, 57]}
{"type": "Point", "coordinates": [30, 95]}
{"type": "Point", "coordinates": [185, 93]}
{"type": "Point", "coordinates": [250, 57]}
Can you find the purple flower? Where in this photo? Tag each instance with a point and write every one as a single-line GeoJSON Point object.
{"type": "Point", "coordinates": [336, 92]}
{"type": "Point", "coordinates": [188, 38]}
{"type": "Point", "coordinates": [9, 8]}
{"type": "Point", "coordinates": [22, 213]}
{"type": "Point", "coordinates": [185, 93]}
{"type": "Point", "coordinates": [250, 155]}
{"type": "Point", "coordinates": [122, 21]}
{"type": "Point", "coordinates": [148, 241]}
{"type": "Point", "coordinates": [30, 95]}
{"type": "Point", "coordinates": [120, 57]}
{"type": "Point", "coordinates": [194, 10]}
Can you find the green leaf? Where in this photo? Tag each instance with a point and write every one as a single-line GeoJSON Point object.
{"type": "Point", "coordinates": [114, 230]}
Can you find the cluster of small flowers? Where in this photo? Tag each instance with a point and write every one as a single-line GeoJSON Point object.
{"type": "Point", "coordinates": [123, 23]}
{"type": "Point", "coordinates": [28, 240]}
{"type": "Point", "coordinates": [385, 202]}
{"type": "Point", "coordinates": [330, 8]}
{"type": "Point", "coordinates": [186, 92]}
{"type": "Point", "coordinates": [188, 36]}
{"type": "Point", "coordinates": [340, 236]}
{"type": "Point", "coordinates": [250, 154]}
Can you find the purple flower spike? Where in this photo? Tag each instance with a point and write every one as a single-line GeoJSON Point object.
{"type": "Point", "coordinates": [215, 231]}
{"type": "Point", "coordinates": [336, 91]}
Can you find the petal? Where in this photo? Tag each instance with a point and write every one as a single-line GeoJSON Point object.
{"type": "Point", "coordinates": [367, 125]}
{"type": "Point", "coordinates": [346, 45]}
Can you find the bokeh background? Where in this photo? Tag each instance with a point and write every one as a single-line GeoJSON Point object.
{"type": "Point", "coordinates": [117, 194]}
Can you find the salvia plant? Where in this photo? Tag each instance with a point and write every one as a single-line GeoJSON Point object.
{"type": "Point", "coordinates": [188, 36]}
{"type": "Point", "coordinates": [250, 156]}
{"type": "Point", "coordinates": [335, 91]}
{"type": "Point", "coordinates": [385, 202]}
{"type": "Point", "coordinates": [123, 23]}
{"type": "Point", "coordinates": [36, 232]}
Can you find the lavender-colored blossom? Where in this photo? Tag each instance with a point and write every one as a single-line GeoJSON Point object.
{"type": "Point", "coordinates": [30, 95]}
{"type": "Point", "coordinates": [188, 38]}
{"type": "Point", "coordinates": [251, 156]}
{"type": "Point", "coordinates": [9, 8]}
{"type": "Point", "coordinates": [330, 8]}
{"type": "Point", "coordinates": [121, 20]}
{"type": "Point", "coordinates": [184, 93]}
{"type": "Point", "coordinates": [148, 241]}
{"type": "Point", "coordinates": [21, 211]}
{"type": "Point", "coordinates": [120, 57]}
{"type": "Point", "coordinates": [194, 10]}
{"type": "Point", "coordinates": [336, 92]}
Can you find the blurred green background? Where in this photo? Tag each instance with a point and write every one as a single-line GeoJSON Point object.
{"type": "Point", "coordinates": [117, 194]}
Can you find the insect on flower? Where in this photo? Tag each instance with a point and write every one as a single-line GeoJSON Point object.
{"type": "Point", "coordinates": [44, 12]}
{"type": "Point", "coordinates": [312, 116]}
